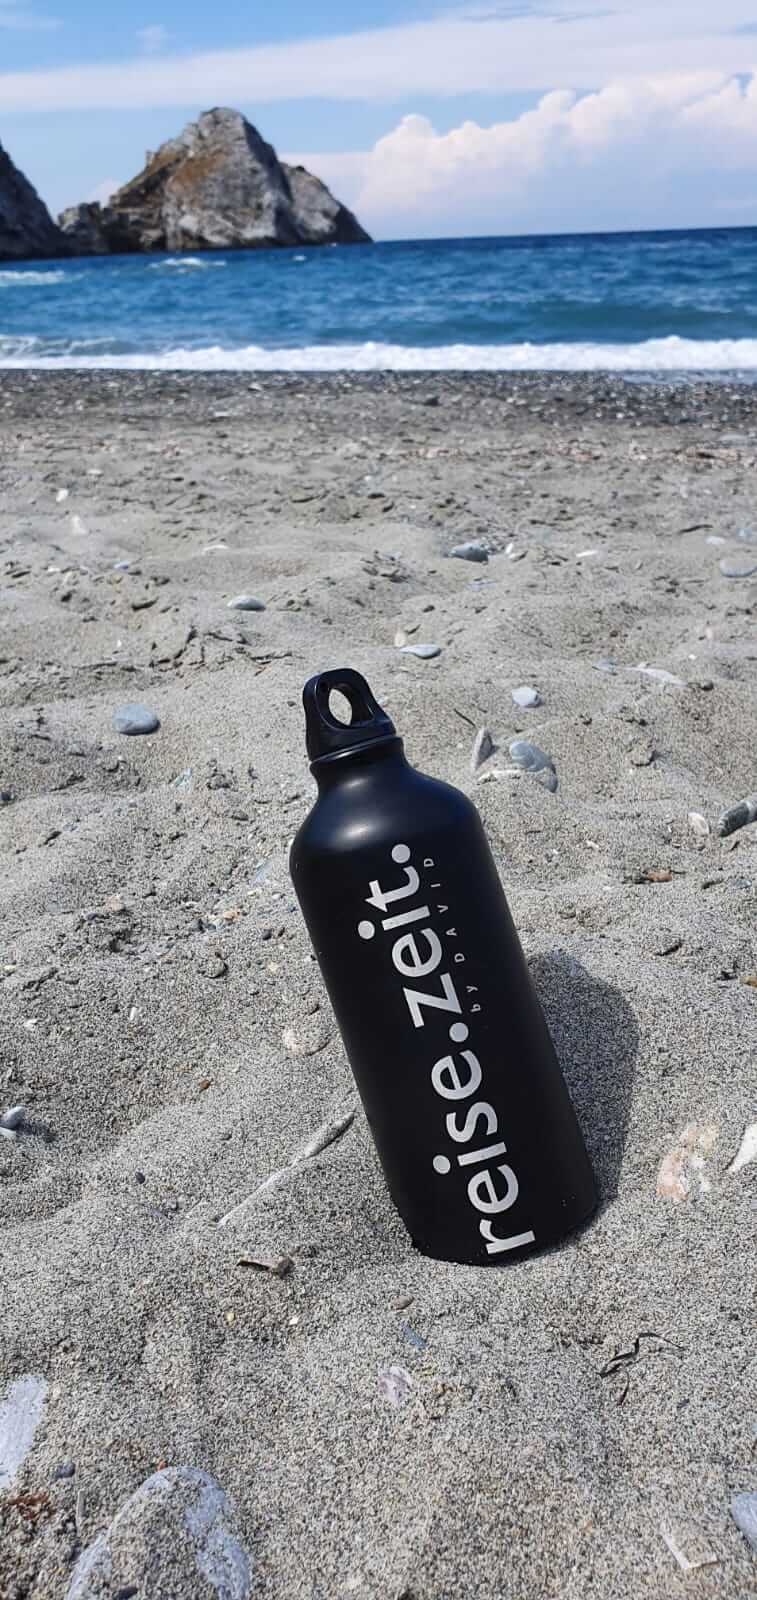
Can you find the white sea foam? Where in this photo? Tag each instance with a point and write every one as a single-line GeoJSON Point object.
{"type": "Point", "coordinates": [24, 279]}
{"type": "Point", "coordinates": [184, 264]}
{"type": "Point", "coordinates": [653, 355]}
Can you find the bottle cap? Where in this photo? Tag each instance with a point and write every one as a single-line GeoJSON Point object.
{"type": "Point", "coordinates": [327, 737]}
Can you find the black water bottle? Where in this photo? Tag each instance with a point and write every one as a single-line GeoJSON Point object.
{"type": "Point", "coordinates": [471, 1117]}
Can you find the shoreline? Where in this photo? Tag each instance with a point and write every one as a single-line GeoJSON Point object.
{"type": "Point", "coordinates": [694, 398]}
{"type": "Point", "coordinates": [383, 1425]}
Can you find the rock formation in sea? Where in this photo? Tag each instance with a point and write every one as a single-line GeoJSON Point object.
{"type": "Point", "coordinates": [26, 227]}
{"type": "Point", "coordinates": [218, 185]}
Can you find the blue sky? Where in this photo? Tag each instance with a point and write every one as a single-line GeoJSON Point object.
{"type": "Point", "coordinates": [481, 116]}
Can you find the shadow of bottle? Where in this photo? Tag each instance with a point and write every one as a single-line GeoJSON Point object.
{"type": "Point", "coordinates": [596, 1038]}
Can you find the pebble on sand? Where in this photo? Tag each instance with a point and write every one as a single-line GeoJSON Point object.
{"type": "Point", "coordinates": [470, 552]}
{"type": "Point", "coordinates": [135, 719]}
{"type": "Point", "coordinates": [530, 758]}
{"type": "Point", "coordinates": [744, 1513]}
{"type": "Point", "coordinates": [747, 1150]}
{"type": "Point", "coordinates": [483, 748]}
{"type": "Point", "coordinates": [425, 652]}
{"type": "Point", "coordinates": [394, 1385]}
{"type": "Point", "coordinates": [737, 569]}
{"type": "Point", "coordinates": [13, 1118]}
{"type": "Point", "coordinates": [245, 602]}
{"type": "Point", "coordinates": [21, 1410]}
{"type": "Point", "coordinates": [699, 824]}
{"type": "Point", "coordinates": [738, 816]}
{"type": "Point", "coordinates": [683, 1173]}
{"type": "Point", "coordinates": [173, 1535]}
{"type": "Point", "coordinates": [525, 696]}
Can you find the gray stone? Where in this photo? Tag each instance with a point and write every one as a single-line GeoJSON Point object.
{"type": "Point", "coordinates": [483, 748]}
{"type": "Point", "coordinates": [744, 1513]}
{"type": "Point", "coordinates": [66, 1469]}
{"type": "Point", "coordinates": [425, 652]}
{"type": "Point", "coordinates": [21, 1408]}
{"type": "Point", "coordinates": [738, 816]}
{"type": "Point", "coordinates": [245, 602]}
{"type": "Point", "coordinates": [135, 719]}
{"type": "Point", "coordinates": [470, 552]}
{"type": "Point", "coordinates": [13, 1117]}
{"type": "Point", "coordinates": [217, 185]}
{"type": "Point", "coordinates": [526, 696]}
{"type": "Point", "coordinates": [26, 228]}
{"type": "Point", "coordinates": [737, 569]}
{"type": "Point", "coordinates": [6, 796]}
{"type": "Point", "coordinates": [173, 1536]}
{"type": "Point", "coordinates": [606, 664]}
{"type": "Point", "coordinates": [531, 759]}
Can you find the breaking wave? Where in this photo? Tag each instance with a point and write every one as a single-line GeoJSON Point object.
{"type": "Point", "coordinates": [184, 264]}
{"type": "Point", "coordinates": [650, 356]}
{"type": "Point", "coordinates": [22, 278]}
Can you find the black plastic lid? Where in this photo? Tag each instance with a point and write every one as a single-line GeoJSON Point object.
{"type": "Point", "coordinates": [327, 737]}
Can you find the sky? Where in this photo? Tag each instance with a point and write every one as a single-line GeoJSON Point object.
{"type": "Point", "coordinates": [429, 119]}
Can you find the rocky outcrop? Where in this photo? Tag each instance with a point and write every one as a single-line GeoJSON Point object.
{"type": "Point", "coordinates": [26, 228]}
{"type": "Point", "coordinates": [218, 185]}
{"type": "Point", "coordinates": [84, 230]}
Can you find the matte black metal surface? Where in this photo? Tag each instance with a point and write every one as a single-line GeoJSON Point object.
{"type": "Point", "coordinates": [456, 1069]}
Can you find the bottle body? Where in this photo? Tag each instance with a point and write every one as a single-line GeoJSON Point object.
{"type": "Point", "coordinates": [463, 1093]}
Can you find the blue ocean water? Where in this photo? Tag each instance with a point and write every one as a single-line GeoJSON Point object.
{"type": "Point", "coordinates": [627, 302]}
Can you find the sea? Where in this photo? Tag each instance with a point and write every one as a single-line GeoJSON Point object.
{"type": "Point", "coordinates": [658, 303]}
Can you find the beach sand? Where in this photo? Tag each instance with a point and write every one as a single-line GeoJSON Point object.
{"type": "Point", "coordinates": [573, 1426]}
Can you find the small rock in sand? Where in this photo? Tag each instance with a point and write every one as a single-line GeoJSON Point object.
{"type": "Point", "coordinates": [643, 753]}
{"type": "Point", "coordinates": [738, 816]}
{"type": "Point", "coordinates": [394, 1385]}
{"type": "Point", "coordinates": [483, 748]}
{"type": "Point", "coordinates": [747, 1151]}
{"type": "Point", "coordinates": [525, 697]}
{"type": "Point", "coordinates": [605, 664]}
{"type": "Point", "coordinates": [245, 602]}
{"type": "Point", "coordinates": [744, 1513]}
{"type": "Point", "coordinates": [737, 569]}
{"type": "Point", "coordinates": [21, 1408]}
{"type": "Point", "coordinates": [215, 966]}
{"type": "Point", "coordinates": [683, 1174]}
{"type": "Point", "coordinates": [530, 758]}
{"type": "Point", "coordinates": [470, 552]}
{"type": "Point", "coordinates": [173, 1536]}
{"type": "Point", "coordinates": [5, 797]}
{"type": "Point", "coordinates": [12, 1119]}
{"type": "Point", "coordinates": [699, 824]}
{"type": "Point", "coordinates": [425, 652]}
{"type": "Point", "coordinates": [135, 719]}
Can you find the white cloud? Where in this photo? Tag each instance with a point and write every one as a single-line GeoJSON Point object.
{"type": "Point", "coordinates": [153, 38]}
{"type": "Point", "coordinates": [610, 158]}
{"type": "Point", "coordinates": [450, 55]}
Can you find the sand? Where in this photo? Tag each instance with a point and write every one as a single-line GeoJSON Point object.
{"type": "Point", "coordinates": [569, 1427]}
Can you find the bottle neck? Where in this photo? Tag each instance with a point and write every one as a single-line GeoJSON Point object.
{"type": "Point", "coordinates": [329, 771]}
